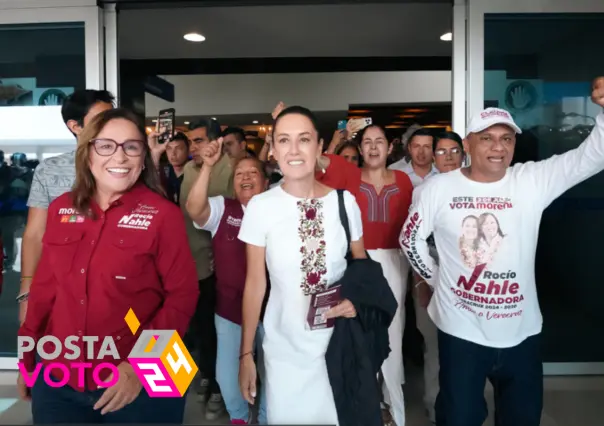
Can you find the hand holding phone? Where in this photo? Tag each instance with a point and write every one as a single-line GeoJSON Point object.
{"type": "Point", "coordinates": [355, 125]}
{"type": "Point", "coordinates": [165, 125]}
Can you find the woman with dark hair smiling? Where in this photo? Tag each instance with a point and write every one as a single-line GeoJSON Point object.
{"type": "Point", "coordinates": [295, 230]}
{"type": "Point", "coordinates": [384, 197]}
{"type": "Point", "coordinates": [112, 244]}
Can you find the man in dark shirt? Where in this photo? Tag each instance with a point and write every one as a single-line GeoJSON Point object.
{"type": "Point", "coordinates": [177, 151]}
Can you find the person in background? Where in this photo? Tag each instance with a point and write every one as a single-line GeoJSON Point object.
{"type": "Point", "coordinates": [448, 152]}
{"type": "Point", "coordinates": [177, 152]}
{"type": "Point", "coordinates": [350, 151]}
{"type": "Point", "coordinates": [475, 341]}
{"type": "Point", "coordinates": [222, 218]}
{"type": "Point", "coordinates": [448, 156]}
{"type": "Point", "coordinates": [95, 268]}
{"type": "Point", "coordinates": [203, 329]}
{"type": "Point", "coordinates": [420, 149]}
{"type": "Point", "coordinates": [295, 230]}
{"type": "Point", "coordinates": [234, 143]}
{"type": "Point", "coordinates": [384, 197]}
{"type": "Point", "coordinates": [54, 177]}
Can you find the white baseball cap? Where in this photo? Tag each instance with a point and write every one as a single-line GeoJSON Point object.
{"type": "Point", "coordinates": [489, 117]}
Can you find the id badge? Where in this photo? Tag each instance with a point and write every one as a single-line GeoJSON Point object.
{"type": "Point", "coordinates": [320, 303]}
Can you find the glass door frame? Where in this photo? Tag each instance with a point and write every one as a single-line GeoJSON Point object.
{"type": "Point", "coordinates": [474, 89]}
{"type": "Point", "coordinates": [42, 11]}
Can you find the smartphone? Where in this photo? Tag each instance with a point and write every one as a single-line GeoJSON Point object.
{"type": "Point", "coordinates": [165, 125]}
{"type": "Point", "coordinates": [342, 124]}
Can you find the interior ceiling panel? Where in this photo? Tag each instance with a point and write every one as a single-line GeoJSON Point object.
{"type": "Point", "coordinates": [333, 30]}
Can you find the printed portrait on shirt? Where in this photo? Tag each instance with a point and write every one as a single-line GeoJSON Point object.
{"type": "Point", "coordinates": [481, 237]}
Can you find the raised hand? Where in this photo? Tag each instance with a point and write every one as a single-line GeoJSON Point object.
{"type": "Point", "coordinates": [211, 152]}
{"type": "Point", "coordinates": [597, 94]}
{"type": "Point", "coordinates": [280, 107]}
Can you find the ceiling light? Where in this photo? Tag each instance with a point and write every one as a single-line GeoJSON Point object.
{"type": "Point", "coordinates": [194, 37]}
{"type": "Point", "coordinates": [187, 123]}
{"type": "Point", "coordinates": [214, 118]}
{"type": "Point", "coordinates": [447, 37]}
{"type": "Point", "coordinates": [154, 121]}
{"type": "Point", "coordinates": [255, 121]}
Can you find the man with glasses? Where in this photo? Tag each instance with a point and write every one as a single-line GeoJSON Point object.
{"type": "Point", "coordinates": [448, 156]}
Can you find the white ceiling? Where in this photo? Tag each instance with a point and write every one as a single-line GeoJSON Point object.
{"type": "Point", "coordinates": [287, 31]}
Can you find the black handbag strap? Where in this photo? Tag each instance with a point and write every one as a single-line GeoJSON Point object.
{"type": "Point", "coordinates": [344, 216]}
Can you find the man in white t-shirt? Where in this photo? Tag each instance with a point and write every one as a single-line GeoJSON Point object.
{"type": "Point", "coordinates": [485, 219]}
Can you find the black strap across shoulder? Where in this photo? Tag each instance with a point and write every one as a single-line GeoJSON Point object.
{"type": "Point", "coordinates": [344, 216]}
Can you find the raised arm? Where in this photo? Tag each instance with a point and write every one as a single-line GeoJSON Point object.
{"type": "Point", "coordinates": [198, 206]}
{"type": "Point", "coordinates": [554, 176]}
{"type": "Point", "coordinates": [335, 172]}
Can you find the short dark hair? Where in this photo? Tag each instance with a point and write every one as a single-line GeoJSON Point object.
{"type": "Point", "coordinates": [180, 136]}
{"type": "Point", "coordinates": [421, 132]}
{"type": "Point", "coordinates": [237, 131]}
{"type": "Point", "coordinates": [77, 105]}
{"type": "Point", "coordinates": [212, 127]}
{"type": "Point", "coordinates": [447, 135]}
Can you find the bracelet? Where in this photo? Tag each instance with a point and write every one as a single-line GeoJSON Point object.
{"type": "Point", "coordinates": [245, 354]}
{"type": "Point", "coordinates": [26, 278]}
{"type": "Point", "coordinates": [23, 297]}
{"type": "Point", "coordinates": [420, 283]}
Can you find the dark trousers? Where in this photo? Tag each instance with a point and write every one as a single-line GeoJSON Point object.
{"type": "Point", "coordinates": [516, 374]}
{"type": "Point", "coordinates": [66, 405]}
{"type": "Point", "coordinates": [202, 332]}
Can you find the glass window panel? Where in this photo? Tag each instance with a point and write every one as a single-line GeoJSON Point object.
{"type": "Point", "coordinates": [540, 68]}
{"type": "Point", "coordinates": [40, 64]}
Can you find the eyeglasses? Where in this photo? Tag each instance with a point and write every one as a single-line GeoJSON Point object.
{"type": "Point", "coordinates": [107, 147]}
{"type": "Point", "coordinates": [452, 151]}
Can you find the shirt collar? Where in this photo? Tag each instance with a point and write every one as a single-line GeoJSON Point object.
{"type": "Point", "coordinates": [128, 200]}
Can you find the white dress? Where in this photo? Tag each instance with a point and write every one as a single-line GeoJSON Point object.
{"type": "Point", "coordinates": [305, 245]}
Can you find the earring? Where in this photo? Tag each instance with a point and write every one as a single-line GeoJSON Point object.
{"type": "Point", "coordinates": [143, 167]}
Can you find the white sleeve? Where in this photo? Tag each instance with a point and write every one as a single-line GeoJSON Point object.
{"type": "Point", "coordinates": [556, 175]}
{"type": "Point", "coordinates": [254, 228]}
{"type": "Point", "coordinates": [416, 230]}
{"type": "Point", "coordinates": [354, 216]}
{"type": "Point", "coordinates": [217, 209]}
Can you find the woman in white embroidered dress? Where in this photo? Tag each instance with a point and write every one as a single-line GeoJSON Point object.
{"type": "Point", "coordinates": [295, 228]}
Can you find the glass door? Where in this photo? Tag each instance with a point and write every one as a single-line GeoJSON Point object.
{"type": "Point", "coordinates": [47, 53]}
{"type": "Point", "coordinates": [538, 63]}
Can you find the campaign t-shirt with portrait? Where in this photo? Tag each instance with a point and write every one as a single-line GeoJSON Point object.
{"type": "Point", "coordinates": [486, 236]}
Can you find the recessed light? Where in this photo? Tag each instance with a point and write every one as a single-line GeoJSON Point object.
{"type": "Point", "coordinates": [194, 37]}
{"type": "Point", "coordinates": [255, 121]}
{"type": "Point", "coordinates": [187, 123]}
{"type": "Point", "coordinates": [214, 118]}
{"type": "Point", "coordinates": [447, 37]}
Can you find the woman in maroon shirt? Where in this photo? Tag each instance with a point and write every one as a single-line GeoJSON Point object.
{"type": "Point", "coordinates": [112, 244]}
{"type": "Point", "coordinates": [222, 218]}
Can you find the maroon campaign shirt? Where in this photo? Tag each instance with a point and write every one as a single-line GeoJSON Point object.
{"type": "Point", "coordinates": [134, 255]}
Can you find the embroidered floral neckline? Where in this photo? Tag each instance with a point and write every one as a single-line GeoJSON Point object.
{"type": "Point", "coordinates": [312, 237]}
